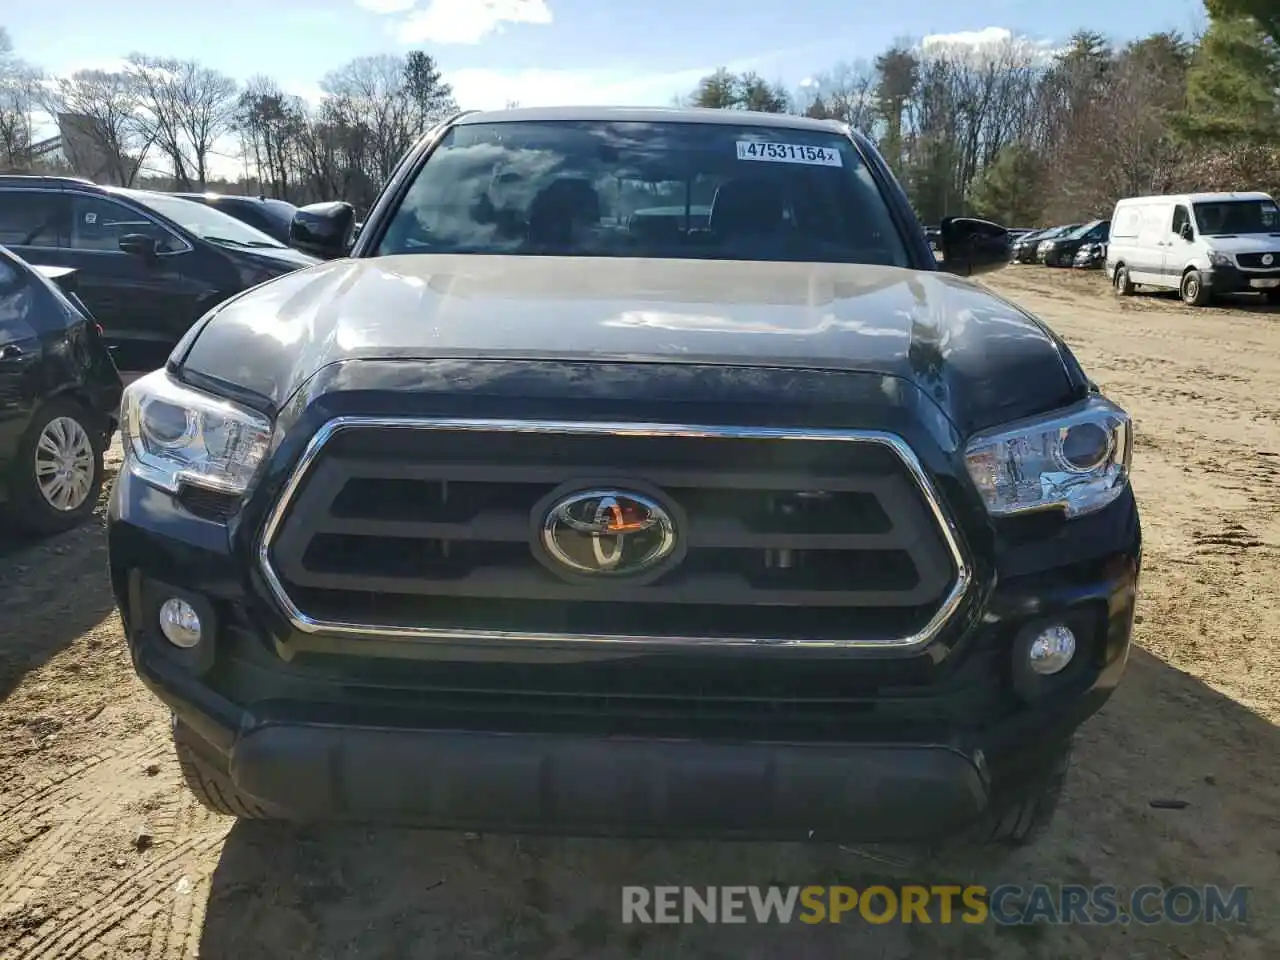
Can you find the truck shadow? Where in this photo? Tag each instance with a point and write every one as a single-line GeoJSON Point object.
{"type": "Point", "coordinates": [286, 892]}
{"type": "Point", "coordinates": [52, 591]}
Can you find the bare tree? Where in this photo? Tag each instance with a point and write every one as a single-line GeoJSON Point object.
{"type": "Point", "coordinates": [846, 93]}
{"type": "Point", "coordinates": [19, 84]}
{"type": "Point", "coordinates": [156, 82]}
{"type": "Point", "coordinates": [272, 125]}
{"type": "Point", "coordinates": [206, 102]}
{"type": "Point", "coordinates": [102, 108]}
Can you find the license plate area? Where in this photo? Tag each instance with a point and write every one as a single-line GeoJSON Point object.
{"type": "Point", "coordinates": [1268, 284]}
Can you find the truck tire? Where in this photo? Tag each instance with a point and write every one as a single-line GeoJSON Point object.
{"type": "Point", "coordinates": [211, 786]}
{"type": "Point", "coordinates": [1123, 283]}
{"type": "Point", "coordinates": [1020, 817]}
{"type": "Point", "coordinates": [62, 434]}
{"type": "Point", "coordinates": [1193, 291]}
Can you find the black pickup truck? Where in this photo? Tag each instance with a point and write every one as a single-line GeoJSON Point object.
{"type": "Point", "coordinates": [766, 524]}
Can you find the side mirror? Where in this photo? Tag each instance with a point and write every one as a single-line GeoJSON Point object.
{"type": "Point", "coordinates": [323, 229]}
{"type": "Point", "coordinates": [1186, 232]}
{"type": "Point", "coordinates": [971, 246]}
{"type": "Point", "coordinates": [139, 244]}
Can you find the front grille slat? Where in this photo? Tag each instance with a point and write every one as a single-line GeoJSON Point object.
{"type": "Point", "coordinates": [530, 584]}
{"type": "Point", "coordinates": [422, 517]}
{"type": "Point", "coordinates": [511, 526]}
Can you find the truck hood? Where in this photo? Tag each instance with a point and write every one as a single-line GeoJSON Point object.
{"type": "Point", "coordinates": [1245, 243]}
{"type": "Point", "coordinates": [980, 358]}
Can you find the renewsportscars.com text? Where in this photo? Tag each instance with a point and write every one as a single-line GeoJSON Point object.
{"type": "Point", "coordinates": [1007, 905]}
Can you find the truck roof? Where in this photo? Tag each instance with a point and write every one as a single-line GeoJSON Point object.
{"type": "Point", "coordinates": [750, 118]}
{"type": "Point", "coordinates": [1200, 197]}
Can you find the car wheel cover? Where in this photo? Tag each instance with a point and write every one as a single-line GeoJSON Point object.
{"type": "Point", "coordinates": [64, 464]}
{"type": "Point", "coordinates": [1190, 286]}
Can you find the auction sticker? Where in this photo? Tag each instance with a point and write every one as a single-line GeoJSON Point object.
{"type": "Point", "coordinates": [789, 153]}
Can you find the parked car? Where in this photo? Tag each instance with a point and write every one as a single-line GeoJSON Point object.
{"type": "Point", "coordinates": [1044, 244]}
{"type": "Point", "coordinates": [59, 400]}
{"type": "Point", "coordinates": [1199, 244]}
{"type": "Point", "coordinates": [514, 520]}
{"type": "Point", "coordinates": [148, 265]}
{"type": "Point", "coordinates": [1091, 256]}
{"type": "Point", "coordinates": [1024, 248]}
{"type": "Point", "coordinates": [269, 215]}
{"type": "Point", "coordinates": [1060, 251]}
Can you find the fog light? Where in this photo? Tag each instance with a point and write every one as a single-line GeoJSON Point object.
{"type": "Point", "coordinates": [180, 623]}
{"type": "Point", "coordinates": [1052, 650]}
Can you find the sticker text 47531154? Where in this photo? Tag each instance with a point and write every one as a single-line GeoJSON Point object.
{"type": "Point", "coordinates": [789, 153]}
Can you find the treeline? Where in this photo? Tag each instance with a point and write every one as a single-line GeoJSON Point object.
{"type": "Point", "coordinates": [1007, 130]}
{"type": "Point", "coordinates": [1025, 136]}
{"type": "Point", "coordinates": [178, 116]}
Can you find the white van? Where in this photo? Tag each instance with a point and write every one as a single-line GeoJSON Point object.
{"type": "Point", "coordinates": [1199, 244]}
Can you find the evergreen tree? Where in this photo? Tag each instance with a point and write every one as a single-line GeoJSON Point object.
{"type": "Point", "coordinates": [1009, 190]}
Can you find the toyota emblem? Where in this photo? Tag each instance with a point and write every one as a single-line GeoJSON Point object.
{"type": "Point", "coordinates": [1268, 259]}
{"type": "Point", "coordinates": [607, 533]}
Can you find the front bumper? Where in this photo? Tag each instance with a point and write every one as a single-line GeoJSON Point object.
{"type": "Point", "coordinates": [1232, 279]}
{"type": "Point", "coordinates": [314, 742]}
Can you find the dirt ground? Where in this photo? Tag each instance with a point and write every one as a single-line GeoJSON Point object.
{"type": "Point", "coordinates": [103, 853]}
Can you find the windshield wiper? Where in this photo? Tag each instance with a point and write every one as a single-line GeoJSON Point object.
{"type": "Point", "coordinates": [245, 243]}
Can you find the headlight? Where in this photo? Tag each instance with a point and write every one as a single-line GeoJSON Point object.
{"type": "Point", "coordinates": [1219, 259]}
{"type": "Point", "coordinates": [174, 435]}
{"type": "Point", "coordinates": [1076, 461]}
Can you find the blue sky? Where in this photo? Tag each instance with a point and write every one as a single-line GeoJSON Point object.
{"type": "Point", "coordinates": [547, 51]}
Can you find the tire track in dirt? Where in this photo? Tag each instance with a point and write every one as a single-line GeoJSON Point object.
{"type": "Point", "coordinates": [94, 801]}
{"type": "Point", "coordinates": [138, 894]}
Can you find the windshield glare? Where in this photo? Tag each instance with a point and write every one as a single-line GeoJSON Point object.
{"type": "Point", "coordinates": [1222, 217]}
{"type": "Point", "coordinates": [205, 222]}
{"type": "Point", "coordinates": [638, 189]}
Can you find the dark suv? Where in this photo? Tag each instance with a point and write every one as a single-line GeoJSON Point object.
{"type": "Point", "coordinates": [761, 525]}
{"type": "Point", "coordinates": [147, 264]}
{"type": "Point", "coordinates": [272, 217]}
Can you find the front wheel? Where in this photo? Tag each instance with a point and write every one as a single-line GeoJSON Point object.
{"type": "Point", "coordinates": [56, 477]}
{"type": "Point", "coordinates": [1021, 814]}
{"type": "Point", "coordinates": [1193, 291]}
{"type": "Point", "coordinates": [210, 784]}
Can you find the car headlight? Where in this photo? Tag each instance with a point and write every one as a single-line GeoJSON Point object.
{"type": "Point", "coordinates": [174, 435]}
{"type": "Point", "coordinates": [1076, 461]}
{"type": "Point", "coordinates": [1217, 259]}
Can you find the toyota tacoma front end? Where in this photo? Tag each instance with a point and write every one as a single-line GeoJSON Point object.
{"type": "Point", "coordinates": [529, 516]}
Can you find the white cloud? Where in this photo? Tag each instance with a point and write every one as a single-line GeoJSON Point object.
{"type": "Point", "coordinates": [458, 21]}
{"type": "Point", "coordinates": [306, 90]}
{"type": "Point", "coordinates": [986, 37]}
{"type": "Point", "coordinates": [386, 6]}
{"type": "Point", "coordinates": [986, 40]}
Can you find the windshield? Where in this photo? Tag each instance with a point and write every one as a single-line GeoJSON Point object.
{"type": "Point", "coordinates": [638, 189]}
{"type": "Point", "coordinates": [1220, 218]}
{"type": "Point", "coordinates": [205, 222]}
{"type": "Point", "coordinates": [1080, 232]}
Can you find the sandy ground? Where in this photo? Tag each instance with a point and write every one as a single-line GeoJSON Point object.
{"type": "Point", "coordinates": [104, 854]}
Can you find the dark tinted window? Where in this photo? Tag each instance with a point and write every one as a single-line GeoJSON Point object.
{"type": "Point", "coordinates": [98, 224]}
{"type": "Point", "coordinates": [1181, 218]}
{"type": "Point", "coordinates": [29, 218]}
{"type": "Point", "coordinates": [633, 189]}
{"type": "Point", "coordinates": [1220, 217]}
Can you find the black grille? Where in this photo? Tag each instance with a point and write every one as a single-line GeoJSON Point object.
{"type": "Point", "coordinates": [1254, 260]}
{"type": "Point", "coordinates": [209, 504]}
{"type": "Point", "coordinates": [786, 538]}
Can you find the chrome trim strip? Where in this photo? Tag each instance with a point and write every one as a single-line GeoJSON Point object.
{"type": "Point", "coordinates": [307, 624]}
